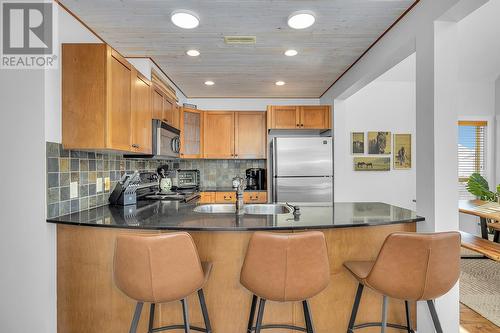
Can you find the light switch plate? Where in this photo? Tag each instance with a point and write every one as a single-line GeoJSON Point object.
{"type": "Point", "coordinates": [99, 185]}
{"type": "Point", "coordinates": [73, 190]}
{"type": "Point", "coordinates": [107, 184]}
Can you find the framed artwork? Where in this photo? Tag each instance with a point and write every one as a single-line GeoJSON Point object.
{"type": "Point", "coordinates": [402, 151]}
{"type": "Point", "coordinates": [379, 143]}
{"type": "Point", "coordinates": [358, 142]}
{"type": "Point", "coordinates": [372, 163]}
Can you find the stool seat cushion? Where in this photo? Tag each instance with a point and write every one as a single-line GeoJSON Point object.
{"type": "Point", "coordinates": [360, 269]}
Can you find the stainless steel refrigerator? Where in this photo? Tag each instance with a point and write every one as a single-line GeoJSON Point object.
{"type": "Point", "coordinates": [302, 169]}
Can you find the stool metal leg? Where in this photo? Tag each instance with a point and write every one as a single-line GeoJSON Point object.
{"type": "Point", "coordinates": [252, 314]}
{"type": "Point", "coordinates": [355, 308]}
{"type": "Point", "coordinates": [137, 316]}
{"type": "Point", "coordinates": [408, 318]}
{"type": "Point", "coordinates": [204, 311]}
{"type": "Point", "coordinates": [434, 315]}
{"type": "Point", "coordinates": [384, 314]}
{"type": "Point", "coordinates": [151, 317]}
{"type": "Point", "coordinates": [258, 326]}
{"type": "Point", "coordinates": [185, 314]}
{"type": "Point", "coordinates": [308, 317]}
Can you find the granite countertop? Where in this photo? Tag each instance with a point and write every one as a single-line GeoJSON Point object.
{"type": "Point", "coordinates": [224, 189]}
{"type": "Point", "coordinates": [172, 215]}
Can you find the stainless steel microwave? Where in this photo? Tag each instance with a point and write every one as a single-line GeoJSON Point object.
{"type": "Point", "coordinates": [166, 142]}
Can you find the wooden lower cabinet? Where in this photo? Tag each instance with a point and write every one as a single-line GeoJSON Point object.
{"type": "Point", "coordinates": [207, 197]}
{"type": "Point", "coordinates": [255, 197]}
{"type": "Point", "coordinates": [230, 197]}
{"type": "Point", "coordinates": [225, 197]}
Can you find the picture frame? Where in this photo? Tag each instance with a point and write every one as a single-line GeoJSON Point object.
{"type": "Point", "coordinates": [379, 143]}
{"type": "Point", "coordinates": [372, 163]}
{"type": "Point", "coordinates": [402, 152]}
{"type": "Point", "coordinates": [357, 143]}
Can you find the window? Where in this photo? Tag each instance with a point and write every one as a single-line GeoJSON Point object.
{"type": "Point", "coordinates": [471, 153]}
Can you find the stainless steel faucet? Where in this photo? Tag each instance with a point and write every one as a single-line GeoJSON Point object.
{"type": "Point", "coordinates": [239, 187]}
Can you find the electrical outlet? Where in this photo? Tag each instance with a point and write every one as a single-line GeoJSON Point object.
{"type": "Point", "coordinates": [99, 185]}
{"type": "Point", "coordinates": [73, 190]}
{"type": "Point", "coordinates": [107, 184]}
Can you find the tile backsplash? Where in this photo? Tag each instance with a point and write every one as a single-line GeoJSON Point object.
{"type": "Point", "coordinates": [78, 180]}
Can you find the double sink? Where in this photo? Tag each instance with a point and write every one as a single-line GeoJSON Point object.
{"type": "Point", "coordinates": [260, 209]}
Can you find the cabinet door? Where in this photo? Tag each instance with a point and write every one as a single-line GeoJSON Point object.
{"type": "Point", "coordinates": [191, 126]}
{"type": "Point", "coordinates": [315, 117]}
{"type": "Point", "coordinates": [255, 197]}
{"type": "Point", "coordinates": [141, 114]}
{"type": "Point", "coordinates": [176, 116]}
{"type": "Point", "coordinates": [285, 117]}
{"type": "Point", "coordinates": [225, 197]}
{"type": "Point", "coordinates": [218, 139]}
{"type": "Point", "coordinates": [250, 135]}
{"type": "Point", "coordinates": [207, 197]}
{"type": "Point", "coordinates": [168, 110]}
{"type": "Point", "coordinates": [157, 105]}
{"type": "Point", "coordinates": [119, 127]}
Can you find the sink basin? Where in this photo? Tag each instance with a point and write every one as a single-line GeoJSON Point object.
{"type": "Point", "coordinates": [216, 209]}
{"type": "Point", "coordinates": [261, 209]}
{"type": "Point", "coordinates": [267, 209]}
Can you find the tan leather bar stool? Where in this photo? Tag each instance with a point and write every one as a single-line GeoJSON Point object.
{"type": "Point", "coordinates": [284, 267]}
{"type": "Point", "coordinates": [161, 269]}
{"type": "Point", "coordinates": [409, 267]}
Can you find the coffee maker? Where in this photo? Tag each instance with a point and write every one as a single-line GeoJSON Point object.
{"type": "Point", "coordinates": [256, 179]}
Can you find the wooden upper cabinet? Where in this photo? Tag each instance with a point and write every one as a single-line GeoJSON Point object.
{"type": "Point", "coordinates": [168, 110]}
{"type": "Point", "coordinates": [157, 104]}
{"type": "Point", "coordinates": [191, 127]}
{"type": "Point", "coordinates": [284, 117]}
{"type": "Point", "coordinates": [106, 104]}
{"type": "Point", "coordinates": [141, 114]}
{"type": "Point", "coordinates": [250, 135]}
{"type": "Point", "coordinates": [218, 139]}
{"type": "Point", "coordinates": [299, 117]}
{"type": "Point", "coordinates": [315, 117]}
{"type": "Point", "coordinates": [176, 116]}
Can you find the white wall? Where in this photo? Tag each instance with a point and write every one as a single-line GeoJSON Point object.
{"type": "Point", "coordinates": [247, 104]}
{"type": "Point", "coordinates": [380, 106]}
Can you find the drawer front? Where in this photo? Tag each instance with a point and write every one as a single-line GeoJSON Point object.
{"type": "Point", "coordinates": [225, 197]}
{"type": "Point", "coordinates": [207, 197]}
{"type": "Point", "coordinates": [255, 197]}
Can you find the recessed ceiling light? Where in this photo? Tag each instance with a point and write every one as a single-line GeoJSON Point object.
{"type": "Point", "coordinates": [280, 83]}
{"type": "Point", "coordinates": [185, 19]}
{"type": "Point", "coordinates": [193, 53]}
{"type": "Point", "coordinates": [301, 19]}
{"type": "Point", "coordinates": [291, 53]}
{"type": "Point", "coordinates": [209, 83]}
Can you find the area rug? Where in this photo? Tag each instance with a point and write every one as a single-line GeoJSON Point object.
{"type": "Point", "coordinates": [480, 287]}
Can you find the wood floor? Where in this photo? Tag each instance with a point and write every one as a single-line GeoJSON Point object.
{"type": "Point", "coordinates": [472, 322]}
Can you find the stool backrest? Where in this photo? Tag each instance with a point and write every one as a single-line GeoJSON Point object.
{"type": "Point", "coordinates": [286, 266]}
{"type": "Point", "coordinates": [159, 268]}
{"type": "Point", "coordinates": [414, 266]}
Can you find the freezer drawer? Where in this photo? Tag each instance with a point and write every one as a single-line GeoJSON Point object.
{"type": "Point", "coordinates": [310, 156]}
{"type": "Point", "coordinates": [303, 189]}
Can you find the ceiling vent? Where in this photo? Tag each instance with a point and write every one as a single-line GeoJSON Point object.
{"type": "Point", "coordinates": [240, 39]}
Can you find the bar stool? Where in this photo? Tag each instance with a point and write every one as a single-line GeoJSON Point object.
{"type": "Point", "coordinates": [284, 267]}
{"type": "Point", "coordinates": [161, 269]}
{"type": "Point", "coordinates": [409, 267]}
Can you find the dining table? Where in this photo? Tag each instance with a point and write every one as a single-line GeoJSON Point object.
{"type": "Point", "coordinates": [486, 211]}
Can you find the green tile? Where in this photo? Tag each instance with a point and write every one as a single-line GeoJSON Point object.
{"type": "Point", "coordinates": [52, 195]}
{"type": "Point", "coordinates": [64, 179]}
{"type": "Point", "coordinates": [52, 149]}
{"type": "Point", "coordinates": [63, 165]}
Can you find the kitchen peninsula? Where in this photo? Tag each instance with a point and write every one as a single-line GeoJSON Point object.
{"type": "Point", "coordinates": [88, 301]}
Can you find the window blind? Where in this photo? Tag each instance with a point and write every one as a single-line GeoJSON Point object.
{"type": "Point", "coordinates": [471, 153]}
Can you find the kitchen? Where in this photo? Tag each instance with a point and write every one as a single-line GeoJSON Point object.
{"type": "Point", "coordinates": [148, 140]}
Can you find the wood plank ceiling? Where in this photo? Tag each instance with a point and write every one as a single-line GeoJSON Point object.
{"type": "Point", "coordinates": [344, 29]}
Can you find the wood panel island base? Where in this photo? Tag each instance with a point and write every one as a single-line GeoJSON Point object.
{"type": "Point", "coordinates": [88, 301]}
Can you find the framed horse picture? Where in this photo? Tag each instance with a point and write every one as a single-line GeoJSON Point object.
{"type": "Point", "coordinates": [402, 151]}
{"type": "Point", "coordinates": [379, 143]}
{"type": "Point", "coordinates": [358, 142]}
{"type": "Point", "coordinates": [372, 163]}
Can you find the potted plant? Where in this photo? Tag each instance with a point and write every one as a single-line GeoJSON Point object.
{"type": "Point", "coordinates": [479, 187]}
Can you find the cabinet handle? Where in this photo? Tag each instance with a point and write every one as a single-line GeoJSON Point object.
{"type": "Point", "coordinates": [135, 146]}
{"type": "Point", "coordinates": [298, 125]}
